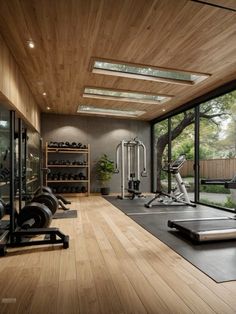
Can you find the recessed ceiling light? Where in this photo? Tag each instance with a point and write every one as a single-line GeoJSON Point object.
{"type": "Point", "coordinates": [163, 109]}
{"type": "Point", "coordinates": [109, 112]}
{"type": "Point", "coordinates": [48, 108]}
{"type": "Point", "coordinates": [150, 73]}
{"type": "Point", "coordinates": [44, 94]}
{"type": "Point", "coordinates": [30, 44]}
{"type": "Point", "coordinates": [128, 96]}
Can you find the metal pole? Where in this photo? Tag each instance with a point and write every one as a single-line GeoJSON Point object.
{"type": "Point", "coordinates": [20, 162]}
{"type": "Point", "coordinates": [196, 154]}
{"type": "Point", "coordinates": [122, 170]}
{"type": "Point", "coordinates": [117, 158]}
{"type": "Point", "coordinates": [169, 154]}
{"type": "Point", "coordinates": [128, 161]}
{"type": "Point", "coordinates": [144, 158]}
{"type": "Point", "coordinates": [12, 173]}
{"type": "Point", "coordinates": [138, 160]}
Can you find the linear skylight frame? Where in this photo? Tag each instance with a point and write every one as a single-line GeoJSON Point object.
{"type": "Point", "coordinates": [124, 95]}
{"type": "Point", "coordinates": [110, 67]}
{"type": "Point", "coordinates": [130, 113]}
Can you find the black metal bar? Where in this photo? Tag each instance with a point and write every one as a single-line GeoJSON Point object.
{"type": "Point", "coordinates": [25, 160]}
{"type": "Point", "coordinates": [12, 172]}
{"type": "Point", "coordinates": [152, 158]}
{"type": "Point", "coordinates": [20, 162]}
{"type": "Point", "coordinates": [214, 5]}
{"type": "Point", "coordinates": [196, 154]}
{"type": "Point", "coordinates": [19, 240]}
{"type": "Point", "coordinates": [38, 242]}
{"type": "Point", "coordinates": [169, 153]}
{"type": "Point", "coordinates": [41, 164]}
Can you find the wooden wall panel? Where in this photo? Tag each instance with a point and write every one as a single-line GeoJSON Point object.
{"type": "Point", "coordinates": [14, 89]}
{"type": "Point", "coordinates": [211, 168]}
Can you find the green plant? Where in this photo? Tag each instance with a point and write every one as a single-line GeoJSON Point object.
{"type": "Point", "coordinates": [214, 189]}
{"type": "Point", "coordinates": [105, 169]}
{"type": "Point", "coordinates": [229, 203]}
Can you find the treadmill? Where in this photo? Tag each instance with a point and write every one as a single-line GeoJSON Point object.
{"type": "Point", "coordinates": [208, 229]}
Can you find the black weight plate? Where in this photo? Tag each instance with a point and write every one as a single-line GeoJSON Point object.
{"type": "Point", "coordinates": [46, 189]}
{"type": "Point", "coordinates": [47, 199]}
{"type": "Point", "coordinates": [2, 209]}
{"type": "Point", "coordinates": [42, 199]}
{"type": "Point", "coordinates": [37, 212]}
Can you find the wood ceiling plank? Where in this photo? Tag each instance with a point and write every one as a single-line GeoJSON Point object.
{"type": "Point", "coordinates": [68, 33]}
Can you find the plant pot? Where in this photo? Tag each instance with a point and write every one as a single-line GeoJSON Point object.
{"type": "Point", "coordinates": [105, 191]}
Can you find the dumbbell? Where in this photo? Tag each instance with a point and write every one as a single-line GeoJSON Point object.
{"type": "Point", "coordinates": [73, 189]}
{"type": "Point", "coordinates": [82, 176]}
{"type": "Point", "coordinates": [64, 189]}
{"type": "Point", "coordinates": [77, 189]}
{"type": "Point", "coordinates": [73, 145]}
{"type": "Point", "coordinates": [83, 189]}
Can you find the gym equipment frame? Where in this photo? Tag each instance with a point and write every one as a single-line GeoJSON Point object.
{"type": "Point", "coordinates": [15, 236]}
{"type": "Point", "coordinates": [128, 158]}
{"type": "Point", "coordinates": [178, 195]}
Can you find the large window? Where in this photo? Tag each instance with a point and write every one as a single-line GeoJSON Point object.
{"type": "Point", "coordinates": [182, 143]}
{"type": "Point", "coordinates": [216, 151]}
{"type": "Point", "coordinates": [161, 139]}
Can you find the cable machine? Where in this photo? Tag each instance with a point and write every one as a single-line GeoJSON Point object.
{"type": "Point", "coordinates": [131, 162]}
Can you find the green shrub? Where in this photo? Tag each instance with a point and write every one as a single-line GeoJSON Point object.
{"type": "Point", "coordinates": [229, 203]}
{"type": "Point", "coordinates": [214, 189]}
{"type": "Point", "coordinates": [208, 202]}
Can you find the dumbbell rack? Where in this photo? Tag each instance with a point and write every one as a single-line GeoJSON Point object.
{"type": "Point", "coordinates": [59, 152]}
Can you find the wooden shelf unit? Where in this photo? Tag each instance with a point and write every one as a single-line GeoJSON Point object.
{"type": "Point", "coordinates": [52, 153]}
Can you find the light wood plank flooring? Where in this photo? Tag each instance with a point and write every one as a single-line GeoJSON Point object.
{"type": "Point", "coordinates": [112, 266]}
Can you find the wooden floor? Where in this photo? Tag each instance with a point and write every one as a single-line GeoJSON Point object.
{"type": "Point", "coordinates": [112, 266]}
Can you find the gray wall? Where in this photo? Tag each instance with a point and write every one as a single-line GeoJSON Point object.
{"type": "Point", "coordinates": [103, 134]}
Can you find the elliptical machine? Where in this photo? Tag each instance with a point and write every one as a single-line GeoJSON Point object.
{"type": "Point", "coordinates": [128, 159]}
{"type": "Point", "coordinates": [178, 195]}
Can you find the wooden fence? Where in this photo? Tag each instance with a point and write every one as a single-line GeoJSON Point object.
{"type": "Point", "coordinates": [212, 168]}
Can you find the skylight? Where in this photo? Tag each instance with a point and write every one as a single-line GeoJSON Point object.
{"type": "Point", "coordinates": [93, 92]}
{"type": "Point", "coordinates": [109, 112]}
{"type": "Point", "coordinates": [148, 73]}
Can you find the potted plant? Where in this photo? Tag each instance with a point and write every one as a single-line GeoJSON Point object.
{"type": "Point", "coordinates": [105, 169]}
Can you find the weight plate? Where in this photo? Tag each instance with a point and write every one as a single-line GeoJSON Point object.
{"type": "Point", "coordinates": [46, 189]}
{"type": "Point", "coordinates": [47, 199]}
{"type": "Point", "coordinates": [37, 214]}
{"type": "Point", "coordinates": [2, 209]}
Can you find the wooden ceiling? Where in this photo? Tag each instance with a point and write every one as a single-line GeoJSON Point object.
{"type": "Point", "coordinates": [179, 34]}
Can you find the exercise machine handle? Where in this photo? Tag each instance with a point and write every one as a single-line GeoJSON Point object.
{"type": "Point", "coordinates": [144, 173]}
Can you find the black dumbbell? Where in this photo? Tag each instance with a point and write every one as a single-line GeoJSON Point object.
{"type": "Point", "coordinates": [77, 189]}
{"type": "Point", "coordinates": [83, 189]}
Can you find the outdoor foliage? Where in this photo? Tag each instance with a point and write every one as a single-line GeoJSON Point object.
{"type": "Point", "coordinates": [217, 132]}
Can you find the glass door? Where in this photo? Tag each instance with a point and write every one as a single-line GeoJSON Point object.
{"type": "Point", "coordinates": [217, 150]}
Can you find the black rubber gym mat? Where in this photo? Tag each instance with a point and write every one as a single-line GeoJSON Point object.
{"type": "Point", "coordinates": [65, 214]}
{"type": "Point", "coordinates": [215, 259]}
